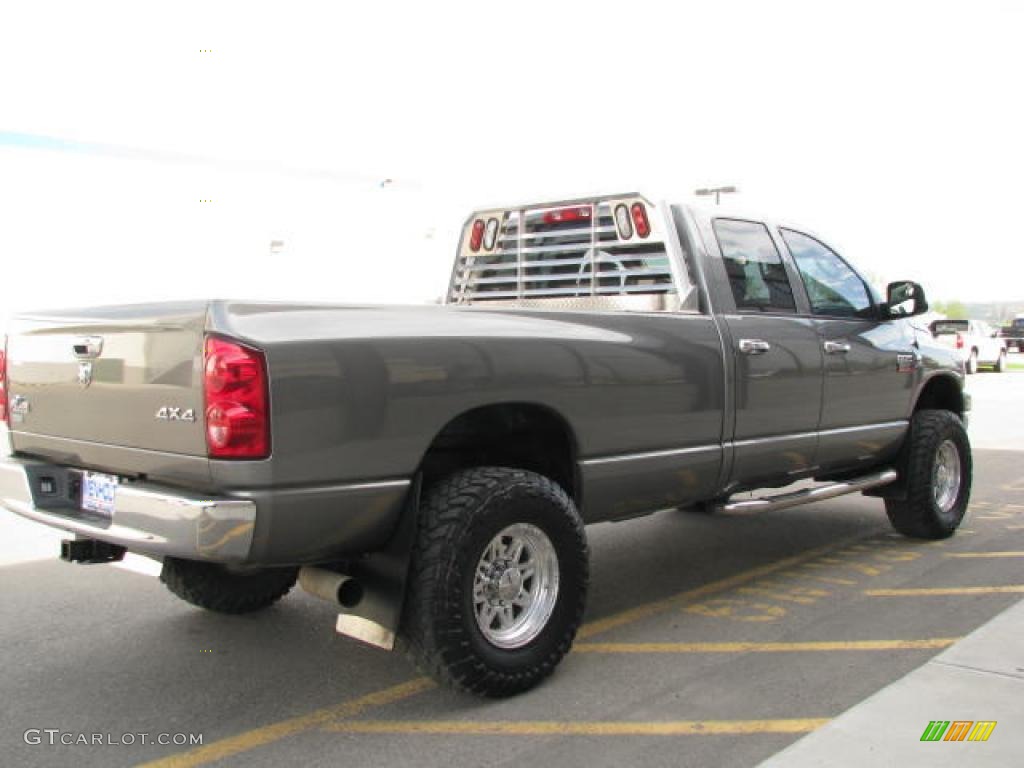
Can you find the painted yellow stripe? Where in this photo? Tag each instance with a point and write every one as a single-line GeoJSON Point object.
{"type": "Point", "coordinates": [557, 728]}
{"type": "Point", "coordinates": [268, 734]}
{"type": "Point", "coordinates": [984, 554]}
{"type": "Point", "coordinates": [660, 606]}
{"type": "Point", "coordinates": [924, 592]}
{"type": "Point", "coordinates": [826, 645]}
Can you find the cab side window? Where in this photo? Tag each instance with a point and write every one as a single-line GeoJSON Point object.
{"type": "Point", "coordinates": [832, 286]}
{"type": "Point", "coordinates": [756, 273]}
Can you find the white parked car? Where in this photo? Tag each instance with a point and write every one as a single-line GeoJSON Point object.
{"type": "Point", "coordinates": [977, 342]}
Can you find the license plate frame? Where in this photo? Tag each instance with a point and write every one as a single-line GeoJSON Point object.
{"type": "Point", "coordinates": [99, 494]}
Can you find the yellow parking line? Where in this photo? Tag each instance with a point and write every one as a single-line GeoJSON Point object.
{"type": "Point", "coordinates": [740, 647]}
{"type": "Point", "coordinates": [258, 737]}
{"type": "Point", "coordinates": [660, 606]}
{"type": "Point", "coordinates": [273, 732]}
{"type": "Point", "coordinates": [930, 591]}
{"type": "Point", "coordinates": [833, 580]}
{"type": "Point", "coordinates": [598, 728]}
{"type": "Point", "coordinates": [984, 554]}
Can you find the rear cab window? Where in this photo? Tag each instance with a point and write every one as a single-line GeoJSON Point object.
{"type": "Point", "coordinates": [757, 276]}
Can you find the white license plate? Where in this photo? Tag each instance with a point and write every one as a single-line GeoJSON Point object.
{"type": "Point", "coordinates": [98, 492]}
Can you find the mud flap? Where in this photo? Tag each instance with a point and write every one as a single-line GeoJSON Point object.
{"type": "Point", "coordinates": [383, 574]}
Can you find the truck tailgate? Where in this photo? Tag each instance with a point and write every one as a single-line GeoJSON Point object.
{"type": "Point", "coordinates": [126, 377]}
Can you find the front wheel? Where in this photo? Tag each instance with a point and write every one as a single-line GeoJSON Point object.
{"type": "Point", "coordinates": [937, 473]}
{"type": "Point", "coordinates": [498, 581]}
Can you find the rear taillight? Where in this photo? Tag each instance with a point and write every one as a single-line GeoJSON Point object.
{"type": "Point", "coordinates": [640, 221]}
{"type": "Point", "coordinates": [959, 341]}
{"type": "Point", "coordinates": [3, 383]}
{"type": "Point", "coordinates": [235, 389]}
{"type": "Point", "coordinates": [575, 213]}
{"type": "Point", "coordinates": [476, 236]}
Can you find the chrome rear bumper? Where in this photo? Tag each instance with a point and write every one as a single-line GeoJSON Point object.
{"type": "Point", "coordinates": [147, 518]}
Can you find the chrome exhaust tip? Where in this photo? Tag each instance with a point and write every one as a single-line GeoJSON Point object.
{"type": "Point", "coordinates": [331, 586]}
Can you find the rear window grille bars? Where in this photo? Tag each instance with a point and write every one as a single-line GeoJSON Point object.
{"type": "Point", "coordinates": [590, 248]}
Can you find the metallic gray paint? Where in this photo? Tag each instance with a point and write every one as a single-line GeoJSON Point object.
{"type": "Point", "coordinates": [662, 408]}
{"type": "Point", "coordinates": [142, 358]}
{"type": "Point", "coordinates": [368, 388]}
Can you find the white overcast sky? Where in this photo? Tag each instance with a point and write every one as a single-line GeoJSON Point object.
{"type": "Point", "coordinates": [892, 129]}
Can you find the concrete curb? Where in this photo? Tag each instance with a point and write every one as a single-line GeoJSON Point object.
{"type": "Point", "coordinates": [979, 678]}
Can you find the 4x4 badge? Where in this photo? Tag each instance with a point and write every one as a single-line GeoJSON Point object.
{"type": "Point", "coordinates": [167, 413]}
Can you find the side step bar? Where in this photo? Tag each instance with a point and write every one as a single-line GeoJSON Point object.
{"type": "Point", "coordinates": [810, 495]}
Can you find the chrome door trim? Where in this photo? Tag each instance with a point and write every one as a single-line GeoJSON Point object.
{"type": "Point", "coordinates": [833, 347]}
{"type": "Point", "coordinates": [650, 454]}
{"type": "Point", "coordinates": [753, 346]}
{"type": "Point", "coordinates": [641, 455]}
{"type": "Point", "coordinates": [823, 433]}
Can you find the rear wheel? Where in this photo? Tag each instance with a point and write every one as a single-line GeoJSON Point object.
{"type": "Point", "coordinates": [498, 581]}
{"type": "Point", "coordinates": [1001, 362]}
{"type": "Point", "coordinates": [937, 472]}
{"type": "Point", "coordinates": [216, 588]}
{"type": "Point", "coordinates": [972, 362]}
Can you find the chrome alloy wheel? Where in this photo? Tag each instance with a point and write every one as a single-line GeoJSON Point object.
{"type": "Point", "coordinates": [946, 475]}
{"type": "Point", "coordinates": [515, 586]}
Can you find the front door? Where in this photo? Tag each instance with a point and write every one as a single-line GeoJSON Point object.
{"type": "Point", "coordinates": [870, 363]}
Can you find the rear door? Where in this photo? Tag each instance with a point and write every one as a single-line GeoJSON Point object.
{"type": "Point", "coordinates": [870, 363]}
{"type": "Point", "coordinates": [777, 358]}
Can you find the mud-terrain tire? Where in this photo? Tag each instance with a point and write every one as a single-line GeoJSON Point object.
{"type": "Point", "coordinates": [497, 583]}
{"type": "Point", "coordinates": [215, 588]}
{"type": "Point", "coordinates": [936, 468]}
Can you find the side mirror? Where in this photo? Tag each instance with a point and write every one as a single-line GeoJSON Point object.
{"type": "Point", "coordinates": [904, 298]}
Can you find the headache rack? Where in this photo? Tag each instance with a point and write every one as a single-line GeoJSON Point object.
{"type": "Point", "coordinates": [612, 252]}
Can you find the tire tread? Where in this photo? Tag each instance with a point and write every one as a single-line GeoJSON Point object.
{"type": "Point", "coordinates": [430, 634]}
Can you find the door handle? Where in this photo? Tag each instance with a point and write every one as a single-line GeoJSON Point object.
{"type": "Point", "coordinates": [754, 346]}
{"type": "Point", "coordinates": [836, 347]}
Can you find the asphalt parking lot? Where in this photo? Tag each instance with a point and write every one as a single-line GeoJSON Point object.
{"type": "Point", "coordinates": [710, 640]}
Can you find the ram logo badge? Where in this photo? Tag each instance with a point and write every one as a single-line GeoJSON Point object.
{"type": "Point", "coordinates": [167, 413]}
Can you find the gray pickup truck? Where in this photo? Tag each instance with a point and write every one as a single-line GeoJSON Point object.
{"type": "Point", "coordinates": [431, 469]}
